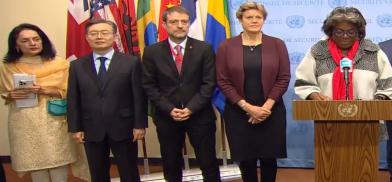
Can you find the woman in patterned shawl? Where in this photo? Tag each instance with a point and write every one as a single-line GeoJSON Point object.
{"type": "Point", "coordinates": [39, 142]}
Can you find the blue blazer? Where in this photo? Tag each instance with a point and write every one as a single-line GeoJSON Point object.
{"type": "Point", "coordinates": [386, 46]}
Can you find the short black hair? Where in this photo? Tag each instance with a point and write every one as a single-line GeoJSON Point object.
{"type": "Point", "coordinates": [94, 21]}
{"type": "Point", "coordinates": [48, 51]}
{"type": "Point", "coordinates": [345, 14]}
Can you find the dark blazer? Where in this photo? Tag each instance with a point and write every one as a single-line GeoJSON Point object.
{"type": "Point", "coordinates": [275, 74]}
{"type": "Point", "coordinates": [386, 46]}
{"type": "Point", "coordinates": [192, 89]}
{"type": "Point", "coordinates": [116, 108]}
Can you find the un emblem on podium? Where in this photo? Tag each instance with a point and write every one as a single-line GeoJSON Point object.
{"type": "Point", "coordinates": [347, 109]}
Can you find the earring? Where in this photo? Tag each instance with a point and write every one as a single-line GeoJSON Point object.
{"type": "Point", "coordinates": [17, 50]}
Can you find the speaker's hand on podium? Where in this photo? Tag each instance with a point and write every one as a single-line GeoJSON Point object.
{"type": "Point", "coordinates": [381, 97]}
{"type": "Point", "coordinates": [318, 96]}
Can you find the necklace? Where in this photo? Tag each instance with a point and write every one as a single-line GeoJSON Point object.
{"type": "Point", "coordinates": [249, 42]}
{"type": "Point", "coordinates": [252, 48]}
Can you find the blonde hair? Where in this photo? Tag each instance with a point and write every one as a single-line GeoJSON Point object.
{"type": "Point", "coordinates": [248, 6]}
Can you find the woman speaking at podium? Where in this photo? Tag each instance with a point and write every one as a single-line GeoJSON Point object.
{"type": "Point", "coordinates": [344, 57]}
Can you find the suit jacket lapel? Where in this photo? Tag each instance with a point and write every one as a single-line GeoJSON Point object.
{"type": "Point", "coordinates": [187, 56]}
{"type": "Point", "coordinates": [89, 66]}
{"type": "Point", "coordinates": [168, 57]}
{"type": "Point", "coordinates": [114, 66]}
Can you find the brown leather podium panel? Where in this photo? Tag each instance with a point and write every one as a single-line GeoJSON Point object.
{"type": "Point", "coordinates": [346, 137]}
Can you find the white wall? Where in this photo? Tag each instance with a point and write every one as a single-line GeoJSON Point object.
{"type": "Point", "coordinates": [50, 15]}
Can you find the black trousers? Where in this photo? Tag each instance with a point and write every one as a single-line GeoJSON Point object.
{"type": "Point", "coordinates": [171, 137]}
{"type": "Point", "coordinates": [389, 149]}
{"type": "Point", "coordinates": [2, 173]}
{"type": "Point", "coordinates": [125, 156]}
{"type": "Point", "coordinates": [268, 168]}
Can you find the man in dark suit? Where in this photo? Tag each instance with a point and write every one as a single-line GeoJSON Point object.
{"type": "Point", "coordinates": [386, 46]}
{"type": "Point", "coordinates": [106, 106]}
{"type": "Point", "coordinates": [2, 173]}
{"type": "Point", "coordinates": [179, 79]}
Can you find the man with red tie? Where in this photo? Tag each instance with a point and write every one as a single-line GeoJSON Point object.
{"type": "Point", "coordinates": [179, 79]}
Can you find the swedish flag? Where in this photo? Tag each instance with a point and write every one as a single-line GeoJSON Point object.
{"type": "Point", "coordinates": [217, 30]}
{"type": "Point", "coordinates": [218, 24]}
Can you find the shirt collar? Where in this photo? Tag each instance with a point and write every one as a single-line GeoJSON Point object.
{"type": "Point", "coordinates": [108, 55]}
{"type": "Point", "coordinates": [182, 44]}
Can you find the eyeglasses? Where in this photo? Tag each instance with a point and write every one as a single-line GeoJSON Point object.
{"type": "Point", "coordinates": [102, 33]}
{"type": "Point", "coordinates": [176, 22]}
{"type": "Point", "coordinates": [341, 33]}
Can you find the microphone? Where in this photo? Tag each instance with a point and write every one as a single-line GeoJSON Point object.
{"type": "Point", "coordinates": [346, 66]}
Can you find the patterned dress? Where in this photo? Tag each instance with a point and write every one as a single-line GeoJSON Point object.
{"type": "Point", "coordinates": [37, 139]}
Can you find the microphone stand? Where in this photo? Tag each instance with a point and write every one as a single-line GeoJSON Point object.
{"type": "Point", "coordinates": [347, 96]}
{"type": "Point", "coordinates": [347, 81]}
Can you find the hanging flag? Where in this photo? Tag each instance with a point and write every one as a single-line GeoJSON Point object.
{"type": "Point", "coordinates": [196, 25]}
{"type": "Point", "coordinates": [162, 34]}
{"type": "Point", "coordinates": [147, 29]}
{"type": "Point", "coordinates": [218, 24]}
{"type": "Point", "coordinates": [77, 16]}
{"type": "Point", "coordinates": [128, 19]}
{"type": "Point", "coordinates": [218, 30]}
{"type": "Point", "coordinates": [107, 9]}
{"type": "Point", "coordinates": [79, 12]}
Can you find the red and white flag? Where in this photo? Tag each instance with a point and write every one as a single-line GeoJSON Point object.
{"type": "Point", "coordinates": [79, 12]}
{"type": "Point", "coordinates": [129, 25]}
{"type": "Point", "coordinates": [78, 15]}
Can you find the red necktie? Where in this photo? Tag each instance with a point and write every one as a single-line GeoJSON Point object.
{"type": "Point", "coordinates": [178, 58]}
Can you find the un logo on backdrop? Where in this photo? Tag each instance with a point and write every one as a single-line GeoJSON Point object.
{"type": "Point", "coordinates": [384, 20]}
{"type": "Point", "coordinates": [295, 21]}
{"type": "Point", "coordinates": [296, 57]}
{"type": "Point", "coordinates": [336, 3]}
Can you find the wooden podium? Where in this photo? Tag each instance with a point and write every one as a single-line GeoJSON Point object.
{"type": "Point", "coordinates": [346, 137]}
